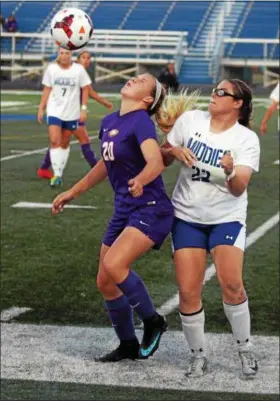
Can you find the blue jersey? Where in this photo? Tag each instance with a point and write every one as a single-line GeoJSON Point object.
{"type": "Point", "coordinates": [121, 138]}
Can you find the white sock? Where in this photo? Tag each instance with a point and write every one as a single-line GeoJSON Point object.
{"type": "Point", "coordinates": [65, 156]}
{"type": "Point", "coordinates": [56, 155]}
{"type": "Point", "coordinates": [239, 318]}
{"type": "Point", "coordinates": [193, 328]}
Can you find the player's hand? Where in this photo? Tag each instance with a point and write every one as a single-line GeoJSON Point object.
{"type": "Point", "coordinates": [83, 116]}
{"type": "Point", "coordinates": [135, 187]}
{"type": "Point", "coordinates": [227, 163]}
{"type": "Point", "coordinates": [109, 105]}
{"type": "Point", "coordinates": [60, 201]}
{"type": "Point", "coordinates": [40, 116]}
{"type": "Point", "coordinates": [184, 155]}
{"type": "Point", "coordinates": [263, 128]}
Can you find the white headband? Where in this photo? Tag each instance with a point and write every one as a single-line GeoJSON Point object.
{"type": "Point", "coordinates": [158, 93]}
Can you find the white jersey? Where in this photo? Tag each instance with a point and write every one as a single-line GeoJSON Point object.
{"type": "Point", "coordinates": [64, 101]}
{"type": "Point", "coordinates": [200, 194]}
{"type": "Point", "coordinates": [275, 94]}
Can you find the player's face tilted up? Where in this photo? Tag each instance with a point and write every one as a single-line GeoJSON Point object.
{"type": "Point", "coordinates": [219, 154]}
{"type": "Point", "coordinates": [142, 218]}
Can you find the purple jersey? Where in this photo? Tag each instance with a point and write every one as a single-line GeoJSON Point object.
{"type": "Point", "coordinates": [121, 138]}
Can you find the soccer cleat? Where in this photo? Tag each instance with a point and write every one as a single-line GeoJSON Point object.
{"type": "Point", "coordinates": [128, 349]}
{"type": "Point", "coordinates": [44, 173]}
{"type": "Point", "coordinates": [249, 364]}
{"type": "Point", "coordinates": [55, 181]}
{"type": "Point", "coordinates": [197, 366]}
{"type": "Point", "coordinates": [153, 329]}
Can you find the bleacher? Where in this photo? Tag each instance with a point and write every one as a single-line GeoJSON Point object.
{"type": "Point", "coordinates": [109, 14]}
{"type": "Point", "coordinates": [29, 16]}
{"type": "Point", "coordinates": [186, 16]}
{"type": "Point", "coordinates": [8, 7]}
{"type": "Point", "coordinates": [148, 15]}
{"type": "Point", "coordinates": [262, 22]}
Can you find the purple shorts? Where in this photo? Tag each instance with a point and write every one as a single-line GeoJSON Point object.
{"type": "Point", "coordinates": [155, 221]}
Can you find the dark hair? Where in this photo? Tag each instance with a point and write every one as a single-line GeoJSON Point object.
{"type": "Point", "coordinates": [157, 107]}
{"type": "Point", "coordinates": [243, 92]}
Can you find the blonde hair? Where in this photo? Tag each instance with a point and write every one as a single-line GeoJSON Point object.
{"type": "Point", "coordinates": [57, 60]}
{"type": "Point", "coordinates": [173, 107]}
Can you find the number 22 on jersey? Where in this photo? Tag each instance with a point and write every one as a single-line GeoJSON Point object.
{"type": "Point", "coordinates": [108, 151]}
{"type": "Point", "coordinates": [200, 175]}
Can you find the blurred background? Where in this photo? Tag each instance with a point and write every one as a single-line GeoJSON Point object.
{"type": "Point", "coordinates": [204, 40]}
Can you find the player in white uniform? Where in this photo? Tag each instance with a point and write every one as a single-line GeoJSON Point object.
{"type": "Point", "coordinates": [84, 58]}
{"type": "Point", "coordinates": [63, 80]}
{"type": "Point", "coordinates": [274, 96]}
{"type": "Point", "coordinates": [219, 153]}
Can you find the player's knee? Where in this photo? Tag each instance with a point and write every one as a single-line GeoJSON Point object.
{"type": "Point", "coordinates": [54, 143]}
{"type": "Point", "coordinates": [103, 284]}
{"type": "Point", "coordinates": [234, 291]}
{"type": "Point", "coordinates": [84, 141]}
{"type": "Point", "coordinates": [109, 266]}
{"type": "Point", "coordinates": [189, 296]}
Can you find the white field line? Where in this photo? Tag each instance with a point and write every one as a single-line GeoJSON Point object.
{"type": "Point", "coordinates": [38, 205]}
{"type": "Point", "coordinates": [16, 108]}
{"type": "Point", "coordinates": [11, 313]}
{"type": "Point", "coordinates": [37, 151]}
{"type": "Point", "coordinates": [171, 304]}
{"type": "Point", "coordinates": [17, 151]}
{"type": "Point", "coordinates": [277, 162]}
{"type": "Point", "coordinates": [9, 103]}
{"type": "Point", "coordinates": [66, 354]}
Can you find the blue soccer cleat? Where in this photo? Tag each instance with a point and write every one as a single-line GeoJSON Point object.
{"type": "Point", "coordinates": [154, 327]}
{"type": "Point", "coordinates": [56, 182]}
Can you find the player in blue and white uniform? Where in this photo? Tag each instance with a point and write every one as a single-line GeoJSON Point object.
{"type": "Point", "coordinates": [83, 58]}
{"type": "Point", "coordinates": [62, 82]}
{"type": "Point", "coordinates": [131, 159]}
{"type": "Point", "coordinates": [219, 153]}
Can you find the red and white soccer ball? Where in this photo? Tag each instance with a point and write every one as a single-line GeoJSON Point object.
{"type": "Point", "coordinates": [71, 28]}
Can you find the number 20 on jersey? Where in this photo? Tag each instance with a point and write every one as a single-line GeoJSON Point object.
{"type": "Point", "coordinates": [108, 151]}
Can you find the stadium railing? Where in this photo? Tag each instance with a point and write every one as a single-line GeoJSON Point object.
{"type": "Point", "coordinates": [110, 47]}
{"type": "Point", "coordinates": [219, 60]}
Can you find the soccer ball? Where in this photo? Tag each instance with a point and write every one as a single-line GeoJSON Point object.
{"type": "Point", "coordinates": [71, 28]}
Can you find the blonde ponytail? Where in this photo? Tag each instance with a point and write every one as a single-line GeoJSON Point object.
{"type": "Point", "coordinates": [172, 107]}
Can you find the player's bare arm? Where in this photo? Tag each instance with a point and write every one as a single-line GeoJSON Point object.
{"type": "Point", "coordinates": [166, 153]}
{"type": "Point", "coordinates": [94, 177]}
{"type": "Point", "coordinates": [238, 177]}
{"type": "Point", "coordinates": [43, 103]}
{"type": "Point", "coordinates": [270, 111]}
{"type": "Point", "coordinates": [85, 94]}
{"type": "Point", "coordinates": [94, 95]}
{"type": "Point", "coordinates": [151, 171]}
{"type": "Point", "coordinates": [180, 153]}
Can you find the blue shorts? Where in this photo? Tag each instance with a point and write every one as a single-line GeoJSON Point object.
{"type": "Point", "coordinates": [69, 125]}
{"type": "Point", "coordinates": [155, 221]}
{"type": "Point", "coordinates": [207, 236]}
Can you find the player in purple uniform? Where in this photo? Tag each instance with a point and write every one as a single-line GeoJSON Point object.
{"type": "Point", "coordinates": [84, 58]}
{"type": "Point", "coordinates": [143, 213]}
